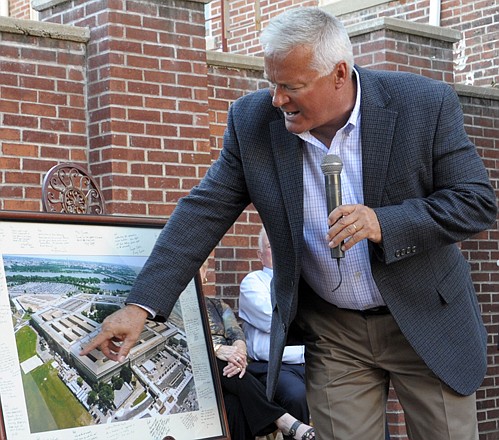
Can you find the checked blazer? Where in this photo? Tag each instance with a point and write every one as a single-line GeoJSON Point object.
{"type": "Point", "coordinates": [422, 176]}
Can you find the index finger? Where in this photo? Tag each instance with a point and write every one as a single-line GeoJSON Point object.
{"type": "Point", "coordinates": [95, 342]}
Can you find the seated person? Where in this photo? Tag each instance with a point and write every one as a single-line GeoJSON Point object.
{"type": "Point", "coordinates": [249, 413]}
{"type": "Point", "coordinates": [255, 309]}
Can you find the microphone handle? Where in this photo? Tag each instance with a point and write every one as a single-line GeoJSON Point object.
{"type": "Point", "coordinates": [333, 198]}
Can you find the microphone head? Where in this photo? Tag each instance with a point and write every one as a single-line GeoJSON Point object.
{"type": "Point", "coordinates": [331, 164]}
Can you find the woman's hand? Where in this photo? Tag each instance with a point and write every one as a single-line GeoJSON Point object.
{"type": "Point", "coordinates": [235, 356]}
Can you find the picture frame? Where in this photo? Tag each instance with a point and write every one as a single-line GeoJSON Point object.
{"type": "Point", "coordinates": [60, 275]}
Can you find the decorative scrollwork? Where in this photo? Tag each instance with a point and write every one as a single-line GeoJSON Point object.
{"type": "Point", "coordinates": [67, 188]}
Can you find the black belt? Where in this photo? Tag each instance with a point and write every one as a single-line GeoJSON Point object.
{"type": "Point", "coordinates": [380, 310]}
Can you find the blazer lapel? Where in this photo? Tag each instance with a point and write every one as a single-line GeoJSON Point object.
{"type": "Point", "coordinates": [288, 155]}
{"type": "Point", "coordinates": [377, 131]}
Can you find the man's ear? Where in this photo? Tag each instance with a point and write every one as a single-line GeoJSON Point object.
{"type": "Point", "coordinates": [340, 73]}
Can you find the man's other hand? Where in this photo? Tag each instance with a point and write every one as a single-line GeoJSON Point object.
{"type": "Point", "coordinates": [118, 334]}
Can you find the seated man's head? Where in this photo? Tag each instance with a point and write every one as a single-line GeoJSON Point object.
{"type": "Point", "coordinates": [264, 251]}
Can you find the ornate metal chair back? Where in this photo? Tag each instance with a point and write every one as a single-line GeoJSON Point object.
{"type": "Point", "coordinates": [68, 188]}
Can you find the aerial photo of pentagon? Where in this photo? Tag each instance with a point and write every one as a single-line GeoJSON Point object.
{"type": "Point", "coordinates": [58, 304]}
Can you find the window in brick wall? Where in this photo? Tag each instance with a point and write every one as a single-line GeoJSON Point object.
{"type": "Point", "coordinates": [211, 43]}
{"type": "Point", "coordinates": [4, 8]}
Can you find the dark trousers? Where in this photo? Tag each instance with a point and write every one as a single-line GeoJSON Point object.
{"type": "Point", "coordinates": [291, 392]}
{"type": "Point", "coordinates": [249, 413]}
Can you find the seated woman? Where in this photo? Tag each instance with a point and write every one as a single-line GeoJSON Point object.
{"type": "Point", "coordinates": [249, 413]}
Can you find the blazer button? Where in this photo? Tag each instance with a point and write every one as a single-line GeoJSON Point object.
{"type": "Point", "coordinates": [414, 249]}
{"type": "Point", "coordinates": [397, 253]}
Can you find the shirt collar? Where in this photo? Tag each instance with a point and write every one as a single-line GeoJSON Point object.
{"type": "Point", "coordinates": [268, 271]}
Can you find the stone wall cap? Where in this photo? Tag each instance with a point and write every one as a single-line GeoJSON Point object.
{"type": "Point", "coordinates": [342, 7]}
{"type": "Point", "coordinates": [235, 61]}
{"type": "Point", "coordinates": [477, 91]}
{"type": "Point", "coordinates": [404, 26]}
{"type": "Point", "coordinates": [42, 5]}
{"type": "Point", "coordinates": [45, 30]}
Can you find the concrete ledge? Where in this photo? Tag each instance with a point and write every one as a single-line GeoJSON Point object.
{"type": "Point", "coordinates": [406, 27]}
{"type": "Point", "coordinates": [235, 61]}
{"type": "Point", "coordinates": [41, 5]}
{"type": "Point", "coordinates": [45, 30]}
{"type": "Point", "coordinates": [477, 91]}
{"type": "Point", "coordinates": [347, 6]}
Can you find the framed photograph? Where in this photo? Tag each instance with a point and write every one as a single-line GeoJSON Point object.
{"type": "Point", "coordinates": [60, 276]}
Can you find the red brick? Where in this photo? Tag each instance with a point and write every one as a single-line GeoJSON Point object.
{"type": "Point", "coordinates": [20, 150]}
{"type": "Point", "coordinates": [20, 94]}
{"type": "Point", "coordinates": [32, 136]}
{"type": "Point", "coordinates": [24, 178]}
{"type": "Point", "coordinates": [22, 205]}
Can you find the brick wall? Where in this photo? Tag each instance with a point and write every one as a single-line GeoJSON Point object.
{"type": "Point", "coordinates": [243, 21]}
{"type": "Point", "coordinates": [481, 120]}
{"type": "Point", "coordinates": [147, 99]}
{"type": "Point", "coordinates": [42, 107]}
{"type": "Point", "coordinates": [475, 56]}
{"type": "Point", "coordinates": [236, 255]}
{"type": "Point", "coordinates": [383, 43]}
{"type": "Point", "coordinates": [19, 9]}
{"type": "Point", "coordinates": [476, 52]}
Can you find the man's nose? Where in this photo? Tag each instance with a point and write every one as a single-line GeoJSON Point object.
{"type": "Point", "coordinates": [279, 97]}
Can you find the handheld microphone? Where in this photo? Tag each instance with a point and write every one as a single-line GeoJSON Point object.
{"type": "Point", "coordinates": [331, 166]}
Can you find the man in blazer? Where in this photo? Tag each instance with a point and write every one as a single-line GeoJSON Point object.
{"type": "Point", "coordinates": [401, 305]}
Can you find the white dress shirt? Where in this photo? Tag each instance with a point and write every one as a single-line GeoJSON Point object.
{"type": "Point", "coordinates": [358, 289]}
{"type": "Point", "coordinates": [255, 309]}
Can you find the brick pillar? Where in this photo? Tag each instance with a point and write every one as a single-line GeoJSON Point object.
{"type": "Point", "coordinates": [393, 44]}
{"type": "Point", "coordinates": [147, 98]}
{"type": "Point", "coordinates": [42, 106]}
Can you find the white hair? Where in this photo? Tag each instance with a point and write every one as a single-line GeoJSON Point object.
{"type": "Point", "coordinates": [261, 238]}
{"type": "Point", "coordinates": [311, 27]}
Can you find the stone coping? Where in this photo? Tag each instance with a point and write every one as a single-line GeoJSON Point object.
{"type": "Point", "coordinates": [44, 30]}
{"type": "Point", "coordinates": [348, 6]}
{"type": "Point", "coordinates": [482, 92]}
{"type": "Point", "coordinates": [41, 5]}
{"type": "Point", "coordinates": [235, 61]}
{"type": "Point", "coordinates": [406, 27]}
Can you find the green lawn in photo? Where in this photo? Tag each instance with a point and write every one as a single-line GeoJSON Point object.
{"type": "Point", "coordinates": [139, 399]}
{"type": "Point", "coordinates": [26, 343]}
{"type": "Point", "coordinates": [40, 418]}
{"type": "Point", "coordinates": [50, 404]}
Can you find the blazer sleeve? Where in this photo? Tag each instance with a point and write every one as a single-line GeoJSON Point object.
{"type": "Point", "coordinates": [196, 226]}
{"type": "Point", "coordinates": [437, 194]}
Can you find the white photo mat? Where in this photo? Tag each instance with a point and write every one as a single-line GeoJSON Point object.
{"type": "Point", "coordinates": [173, 394]}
